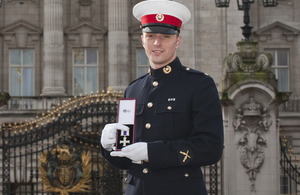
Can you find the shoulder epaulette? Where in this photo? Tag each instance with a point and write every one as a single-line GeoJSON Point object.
{"type": "Point", "coordinates": [138, 78]}
{"type": "Point", "coordinates": [194, 71]}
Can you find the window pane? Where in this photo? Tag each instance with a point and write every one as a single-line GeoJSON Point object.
{"type": "Point", "coordinates": [28, 82]}
{"type": "Point", "coordinates": [283, 79]}
{"type": "Point", "coordinates": [282, 57]}
{"type": "Point", "coordinates": [78, 81]}
{"type": "Point", "coordinates": [28, 57]}
{"type": "Point", "coordinates": [15, 81]}
{"type": "Point", "coordinates": [78, 56]}
{"type": "Point", "coordinates": [91, 56]}
{"type": "Point", "coordinates": [141, 57]}
{"type": "Point", "coordinates": [92, 84]}
{"type": "Point", "coordinates": [14, 57]}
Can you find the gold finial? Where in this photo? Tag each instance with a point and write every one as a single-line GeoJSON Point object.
{"type": "Point", "coordinates": [31, 123]}
{"type": "Point", "coordinates": [109, 88]}
{"type": "Point", "coordinates": [37, 121]}
{"type": "Point", "coordinates": [290, 150]}
{"type": "Point", "coordinates": [92, 97]}
{"type": "Point", "coordinates": [284, 141]}
{"type": "Point", "coordinates": [98, 95]}
{"type": "Point", "coordinates": [4, 126]}
{"type": "Point", "coordinates": [48, 116]}
{"type": "Point", "coordinates": [21, 128]}
{"type": "Point", "coordinates": [64, 104]}
{"type": "Point", "coordinates": [58, 109]}
{"type": "Point", "coordinates": [53, 112]}
{"type": "Point", "coordinates": [80, 100]}
{"type": "Point", "coordinates": [26, 125]}
{"type": "Point", "coordinates": [86, 98]}
{"type": "Point", "coordinates": [15, 128]}
{"type": "Point", "coordinates": [70, 103]}
{"type": "Point", "coordinates": [75, 101]}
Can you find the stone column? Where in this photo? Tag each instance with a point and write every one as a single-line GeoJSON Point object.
{"type": "Point", "coordinates": [53, 75]}
{"type": "Point", "coordinates": [118, 44]}
{"type": "Point", "coordinates": [250, 108]}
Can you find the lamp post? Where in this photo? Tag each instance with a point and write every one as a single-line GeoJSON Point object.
{"type": "Point", "coordinates": [244, 5]}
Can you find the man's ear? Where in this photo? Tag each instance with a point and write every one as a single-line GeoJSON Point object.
{"type": "Point", "coordinates": [178, 42]}
{"type": "Point", "coordinates": [142, 38]}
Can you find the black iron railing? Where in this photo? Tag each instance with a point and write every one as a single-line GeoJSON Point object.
{"type": "Point", "coordinates": [290, 176]}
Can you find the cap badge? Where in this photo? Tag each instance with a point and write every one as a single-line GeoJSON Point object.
{"type": "Point", "coordinates": [160, 17]}
{"type": "Point", "coordinates": [167, 69]}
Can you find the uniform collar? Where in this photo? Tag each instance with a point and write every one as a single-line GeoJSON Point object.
{"type": "Point", "coordinates": [167, 70]}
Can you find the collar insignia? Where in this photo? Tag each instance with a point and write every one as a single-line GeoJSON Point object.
{"type": "Point", "coordinates": [167, 69]}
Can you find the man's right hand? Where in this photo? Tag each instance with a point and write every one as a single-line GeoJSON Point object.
{"type": "Point", "coordinates": [109, 133]}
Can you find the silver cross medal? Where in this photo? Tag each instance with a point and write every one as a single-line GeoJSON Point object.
{"type": "Point", "coordinates": [124, 141]}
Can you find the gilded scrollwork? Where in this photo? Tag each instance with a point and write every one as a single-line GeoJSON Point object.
{"type": "Point", "coordinates": [65, 168]}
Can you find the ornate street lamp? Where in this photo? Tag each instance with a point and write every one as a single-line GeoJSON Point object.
{"type": "Point", "coordinates": [244, 5]}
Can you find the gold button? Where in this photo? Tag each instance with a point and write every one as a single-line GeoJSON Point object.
{"type": "Point", "coordinates": [186, 175]}
{"type": "Point", "coordinates": [150, 104]}
{"type": "Point", "coordinates": [145, 170]}
{"type": "Point", "coordinates": [148, 125]}
{"type": "Point", "coordinates": [125, 179]}
{"type": "Point", "coordinates": [169, 107]}
{"type": "Point", "coordinates": [188, 69]}
{"type": "Point", "coordinates": [155, 83]}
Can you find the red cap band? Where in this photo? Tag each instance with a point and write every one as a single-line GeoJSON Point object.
{"type": "Point", "coordinates": [162, 19]}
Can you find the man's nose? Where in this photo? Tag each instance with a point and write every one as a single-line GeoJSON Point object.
{"type": "Point", "coordinates": [157, 42]}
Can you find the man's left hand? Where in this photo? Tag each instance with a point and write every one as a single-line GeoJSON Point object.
{"type": "Point", "coordinates": [137, 152]}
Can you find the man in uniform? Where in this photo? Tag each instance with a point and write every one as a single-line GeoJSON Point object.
{"type": "Point", "coordinates": [178, 124]}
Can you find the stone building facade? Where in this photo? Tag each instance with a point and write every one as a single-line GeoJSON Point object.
{"type": "Point", "coordinates": [54, 49]}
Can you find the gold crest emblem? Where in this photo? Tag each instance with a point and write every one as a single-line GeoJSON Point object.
{"type": "Point", "coordinates": [160, 17]}
{"type": "Point", "coordinates": [65, 168]}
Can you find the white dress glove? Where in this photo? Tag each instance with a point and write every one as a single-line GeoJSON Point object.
{"type": "Point", "coordinates": [109, 133]}
{"type": "Point", "coordinates": [136, 152]}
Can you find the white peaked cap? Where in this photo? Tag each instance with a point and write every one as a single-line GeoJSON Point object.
{"type": "Point", "coordinates": [170, 13]}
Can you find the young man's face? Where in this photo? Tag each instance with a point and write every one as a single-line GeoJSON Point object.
{"type": "Point", "coordinates": [160, 48]}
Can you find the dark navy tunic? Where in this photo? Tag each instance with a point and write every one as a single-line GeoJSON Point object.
{"type": "Point", "coordinates": [179, 116]}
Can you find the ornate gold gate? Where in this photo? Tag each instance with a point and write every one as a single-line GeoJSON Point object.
{"type": "Point", "coordinates": [58, 152]}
